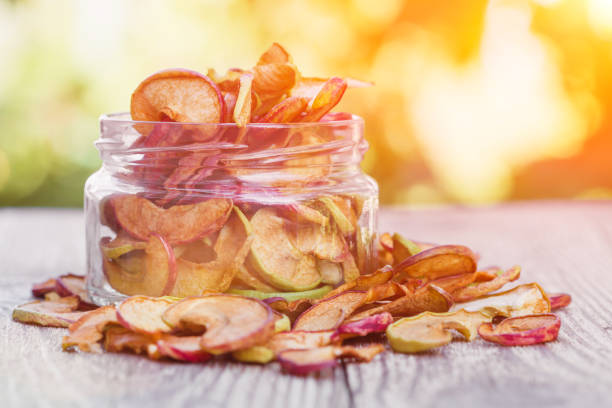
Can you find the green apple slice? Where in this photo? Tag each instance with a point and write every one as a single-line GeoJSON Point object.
{"type": "Point", "coordinates": [276, 259]}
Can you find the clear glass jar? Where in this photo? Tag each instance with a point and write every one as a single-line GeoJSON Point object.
{"type": "Point", "coordinates": [180, 209]}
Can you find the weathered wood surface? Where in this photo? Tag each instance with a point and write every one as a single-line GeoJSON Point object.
{"type": "Point", "coordinates": [564, 246]}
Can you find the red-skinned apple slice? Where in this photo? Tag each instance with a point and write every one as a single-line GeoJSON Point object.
{"type": "Point", "coordinates": [74, 285]}
{"type": "Point", "coordinates": [178, 224]}
{"type": "Point", "coordinates": [183, 348]}
{"type": "Point", "coordinates": [522, 331]}
{"type": "Point", "coordinates": [302, 362]}
{"type": "Point", "coordinates": [559, 300]}
{"type": "Point", "coordinates": [285, 111]}
{"type": "Point", "coordinates": [437, 262]}
{"type": "Point", "coordinates": [86, 332]}
{"type": "Point", "coordinates": [42, 288]}
{"type": "Point", "coordinates": [229, 322]}
{"type": "Point", "coordinates": [331, 312]}
{"type": "Point", "coordinates": [156, 278]}
{"type": "Point", "coordinates": [58, 313]}
{"type": "Point", "coordinates": [328, 96]}
{"type": "Point", "coordinates": [118, 339]}
{"type": "Point", "coordinates": [143, 314]}
{"type": "Point", "coordinates": [178, 95]}
{"type": "Point", "coordinates": [372, 324]}
{"type": "Point", "coordinates": [482, 288]}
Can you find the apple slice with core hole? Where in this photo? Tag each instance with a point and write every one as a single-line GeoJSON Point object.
{"type": "Point", "coordinates": [156, 278]}
{"type": "Point", "coordinates": [330, 313]}
{"type": "Point", "coordinates": [228, 322]}
{"type": "Point", "coordinates": [178, 95]}
{"type": "Point", "coordinates": [522, 331]}
{"type": "Point", "coordinates": [275, 257]}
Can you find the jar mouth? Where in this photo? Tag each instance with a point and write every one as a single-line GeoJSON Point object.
{"type": "Point", "coordinates": [126, 118]}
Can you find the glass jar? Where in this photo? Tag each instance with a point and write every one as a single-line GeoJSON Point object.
{"type": "Point", "coordinates": [181, 209]}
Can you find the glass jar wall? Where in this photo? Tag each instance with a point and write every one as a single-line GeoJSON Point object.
{"type": "Point", "coordinates": [183, 209]}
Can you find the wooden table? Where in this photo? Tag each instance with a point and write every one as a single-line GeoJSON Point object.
{"type": "Point", "coordinates": [566, 246]}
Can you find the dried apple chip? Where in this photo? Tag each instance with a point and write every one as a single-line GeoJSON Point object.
{"type": "Point", "coordinates": [274, 79]}
{"type": "Point", "coordinates": [482, 288]}
{"type": "Point", "coordinates": [365, 282]}
{"type": "Point", "coordinates": [437, 262]}
{"type": "Point", "coordinates": [155, 278]}
{"type": "Point", "coordinates": [331, 272]}
{"type": "Point", "coordinates": [285, 111]}
{"type": "Point", "coordinates": [57, 313]}
{"type": "Point", "coordinates": [331, 312]}
{"type": "Point", "coordinates": [74, 285]}
{"type": "Point", "coordinates": [118, 339]}
{"type": "Point", "coordinates": [229, 322]}
{"type": "Point", "coordinates": [120, 245]}
{"type": "Point", "coordinates": [86, 332]}
{"type": "Point", "coordinates": [249, 278]}
{"type": "Point", "coordinates": [275, 257]}
{"type": "Point", "coordinates": [372, 324]}
{"type": "Point", "coordinates": [42, 288]}
{"type": "Point", "coordinates": [428, 298]}
{"type": "Point", "coordinates": [430, 330]}
{"type": "Point", "coordinates": [325, 242]}
{"type": "Point", "coordinates": [328, 96]}
{"type": "Point", "coordinates": [299, 340]}
{"type": "Point", "coordinates": [302, 362]}
{"type": "Point", "coordinates": [559, 300]}
{"type": "Point", "coordinates": [182, 348]}
{"type": "Point", "coordinates": [275, 54]}
{"type": "Point", "coordinates": [178, 95]}
{"type": "Point", "coordinates": [288, 296]}
{"type": "Point", "coordinates": [231, 247]}
{"type": "Point", "coordinates": [342, 213]}
{"type": "Point", "coordinates": [178, 224]}
{"type": "Point", "coordinates": [242, 108]}
{"type": "Point", "coordinates": [522, 331]}
{"type": "Point", "coordinates": [403, 248]}
{"type": "Point", "coordinates": [143, 314]}
{"type": "Point", "coordinates": [522, 300]}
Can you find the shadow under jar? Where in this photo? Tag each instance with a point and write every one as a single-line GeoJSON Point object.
{"type": "Point", "coordinates": [181, 209]}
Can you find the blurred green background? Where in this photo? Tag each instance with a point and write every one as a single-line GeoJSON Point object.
{"type": "Point", "coordinates": [475, 101]}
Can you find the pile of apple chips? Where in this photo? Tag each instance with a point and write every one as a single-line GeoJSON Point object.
{"type": "Point", "coordinates": [424, 297]}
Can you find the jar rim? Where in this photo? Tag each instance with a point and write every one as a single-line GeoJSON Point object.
{"type": "Point", "coordinates": [125, 118]}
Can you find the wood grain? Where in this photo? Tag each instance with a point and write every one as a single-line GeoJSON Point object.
{"type": "Point", "coordinates": [564, 246]}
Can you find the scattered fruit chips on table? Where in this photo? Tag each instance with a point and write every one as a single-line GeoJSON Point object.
{"type": "Point", "coordinates": [231, 218]}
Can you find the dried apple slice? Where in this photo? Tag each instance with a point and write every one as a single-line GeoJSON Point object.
{"type": "Point", "coordinates": [74, 285]}
{"type": "Point", "coordinates": [229, 322]}
{"type": "Point", "coordinates": [325, 242]}
{"type": "Point", "coordinates": [302, 362]}
{"type": "Point", "coordinates": [559, 300]}
{"type": "Point", "coordinates": [58, 313]}
{"type": "Point", "coordinates": [429, 330]}
{"type": "Point", "coordinates": [403, 248]}
{"type": "Point", "coordinates": [482, 288]}
{"type": "Point", "coordinates": [522, 300]}
{"type": "Point", "coordinates": [263, 354]}
{"type": "Point", "coordinates": [288, 296]}
{"type": "Point", "coordinates": [300, 213]}
{"type": "Point", "coordinates": [156, 278]}
{"type": "Point", "coordinates": [86, 332]}
{"type": "Point", "coordinates": [274, 79]}
{"type": "Point", "coordinates": [242, 108]}
{"type": "Point", "coordinates": [372, 324]}
{"type": "Point", "coordinates": [428, 298]}
{"type": "Point", "coordinates": [365, 282]}
{"type": "Point", "coordinates": [178, 224]}
{"type": "Point", "coordinates": [292, 309]}
{"type": "Point", "coordinates": [285, 111]}
{"type": "Point", "coordinates": [342, 213]}
{"type": "Point", "coordinates": [183, 348]}
{"type": "Point", "coordinates": [232, 246]}
{"type": "Point", "coordinates": [522, 331]}
{"type": "Point", "coordinates": [142, 314]}
{"type": "Point", "coordinates": [276, 259]}
{"type": "Point", "coordinates": [275, 54]}
{"type": "Point", "coordinates": [331, 312]}
{"type": "Point", "coordinates": [436, 263]}
{"type": "Point", "coordinates": [249, 278]}
{"type": "Point", "coordinates": [118, 339]}
{"type": "Point", "coordinates": [350, 271]}
{"type": "Point", "coordinates": [328, 96]}
{"type": "Point", "coordinates": [178, 95]}
{"type": "Point", "coordinates": [120, 245]}
{"type": "Point", "coordinates": [42, 288]}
